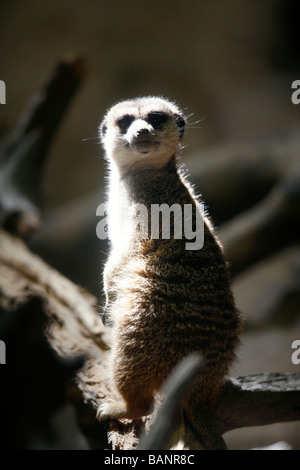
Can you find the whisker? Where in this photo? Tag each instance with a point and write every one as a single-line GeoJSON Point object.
{"type": "Point", "coordinates": [195, 127]}
{"type": "Point", "coordinates": [189, 115]}
{"type": "Point", "coordinates": [89, 138]}
{"type": "Point", "coordinates": [197, 122]}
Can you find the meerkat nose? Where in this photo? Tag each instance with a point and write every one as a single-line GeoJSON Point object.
{"type": "Point", "coordinates": [143, 132]}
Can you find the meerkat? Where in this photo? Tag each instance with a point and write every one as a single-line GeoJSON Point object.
{"type": "Point", "coordinates": [163, 301]}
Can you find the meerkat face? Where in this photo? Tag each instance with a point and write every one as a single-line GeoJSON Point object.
{"type": "Point", "coordinates": [142, 133]}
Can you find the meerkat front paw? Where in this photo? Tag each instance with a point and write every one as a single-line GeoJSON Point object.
{"type": "Point", "coordinates": [112, 410]}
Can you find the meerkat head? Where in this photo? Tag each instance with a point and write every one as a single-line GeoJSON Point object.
{"type": "Point", "coordinates": [142, 133]}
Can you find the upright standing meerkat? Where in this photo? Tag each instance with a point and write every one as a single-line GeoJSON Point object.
{"type": "Point", "coordinates": [163, 301]}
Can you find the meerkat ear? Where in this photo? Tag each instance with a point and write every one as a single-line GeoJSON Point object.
{"type": "Point", "coordinates": [102, 129]}
{"type": "Point", "coordinates": [180, 124]}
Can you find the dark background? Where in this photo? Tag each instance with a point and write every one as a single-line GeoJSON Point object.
{"type": "Point", "coordinates": [230, 63]}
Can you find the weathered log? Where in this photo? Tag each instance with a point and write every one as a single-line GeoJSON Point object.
{"type": "Point", "coordinates": [75, 326]}
{"type": "Point", "coordinates": [75, 329]}
{"type": "Point", "coordinates": [253, 400]}
{"type": "Point", "coordinates": [260, 399]}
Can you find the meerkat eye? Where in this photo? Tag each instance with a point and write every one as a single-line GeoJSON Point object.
{"type": "Point", "coordinates": [157, 119]}
{"type": "Point", "coordinates": [124, 123]}
{"type": "Point", "coordinates": [180, 124]}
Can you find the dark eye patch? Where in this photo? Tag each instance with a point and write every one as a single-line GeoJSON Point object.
{"type": "Point", "coordinates": [124, 122]}
{"type": "Point", "coordinates": [157, 119]}
{"type": "Point", "coordinates": [180, 124]}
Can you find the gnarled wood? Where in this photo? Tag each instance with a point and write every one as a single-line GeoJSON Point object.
{"type": "Point", "coordinates": [75, 329]}
{"type": "Point", "coordinates": [24, 155]}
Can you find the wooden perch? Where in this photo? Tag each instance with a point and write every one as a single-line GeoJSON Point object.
{"type": "Point", "coordinates": [75, 329]}
{"type": "Point", "coordinates": [256, 400]}
{"type": "Point", "coordinates": [23, 157]}
{"type": "Point", "coordinates": [247, 401]}
{"type": "Point", "coordinates": [75, 326]}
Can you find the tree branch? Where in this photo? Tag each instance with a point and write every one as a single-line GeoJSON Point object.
{"type": "Point", "coordinates": [260, 399]}
{"type": "Point", "coordinates": [24, 156]}
{"type": "Point", "coordinates": [162, 429]}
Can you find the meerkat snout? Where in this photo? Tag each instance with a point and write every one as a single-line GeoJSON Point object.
{"type": "Point", "coordinates": [143, 132]}
{"type": "Point", "coordinates": [141, 137]}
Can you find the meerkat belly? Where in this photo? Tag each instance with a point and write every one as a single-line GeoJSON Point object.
{"type": "Point", "coordinates": [165, 314]}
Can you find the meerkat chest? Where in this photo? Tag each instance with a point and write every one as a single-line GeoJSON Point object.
{"type": "Point", "coordinates": [119, 220]}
